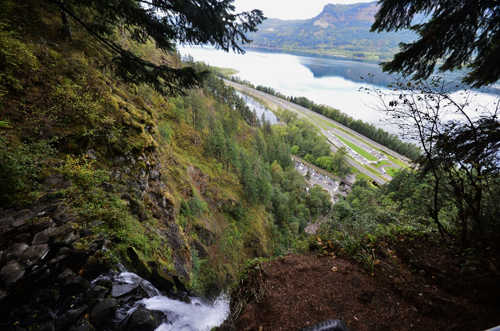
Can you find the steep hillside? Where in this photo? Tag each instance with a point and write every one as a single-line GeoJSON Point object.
{"type": "Point", "coordinates": [98, 174]}
{"type": "Point", "coordinates": [339, 30]}
{"type": "Point", "coordinates": [376, 264]}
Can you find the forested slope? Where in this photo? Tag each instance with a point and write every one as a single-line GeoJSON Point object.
{"type": "Point", "coordinates": [339, 30]}
{"type": "Point", "coordinates": [97, 172]}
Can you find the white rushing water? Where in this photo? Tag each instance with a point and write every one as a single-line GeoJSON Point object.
{"type": "Point", "coordinates": [198, 315]}
{"type": "Point", "coordinates": [194, 316]}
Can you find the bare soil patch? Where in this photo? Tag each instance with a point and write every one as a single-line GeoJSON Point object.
{"type": "Point", "coordinates": [298, 291]}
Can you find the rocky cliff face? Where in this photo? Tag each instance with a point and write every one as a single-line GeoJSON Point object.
{"type": "Point", "coordinates": [47, 258]}
{"type": "Point", "coordinates": [361, 14]}
{"type": "Point", "coordinates": [96, 172]}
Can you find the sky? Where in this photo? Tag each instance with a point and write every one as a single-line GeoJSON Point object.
{"type": "Point", "coordinates": [289, 9]}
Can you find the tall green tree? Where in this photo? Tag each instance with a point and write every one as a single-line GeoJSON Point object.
{"type": "Point", "coordinates": [166, 22]}
{"type": "Point", "coordinates": [461, 33]}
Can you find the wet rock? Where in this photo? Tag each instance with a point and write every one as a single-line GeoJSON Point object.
{"type": "Point", "coordinates": [137, 263]}
{"type": "Point", "coordinates": [69, 318]}
{"type": "Point", "coordinates": [104, 282]}
{"type": "Point", "coordinates": [59, 257]}
{"type": "Point", "coordinates": [99, 292]}
{"type": "Point", "coordinates": [162, 278]}
{"type": "Point", "coordinates": [47, 297]}
{"type": "Point", "coordinates": [103, 312]}
{"type": "Point", "coordinates": [22, 217]}
{"type": "Point", "coordinates": [11, 273]}
{"type": "Point", "coordinates": [66, 274]}
{"type": "Point", "coordinates": [77, 284]}
{"type": "Point", "coordinates": [16, 250]}
{"type": "Point", "coordinates": [41, 224]}
{"type": "Point", "coordinates": [144, 320]}
{"type": "Point", "coordinates": [123, 289]}
{"type": "Point", "coordinates": [23, 236]}
{"type": "Point", "coordinates": [3, 294]}
{"type": "Point", "coordinates": [68, 239]}
{"type": "Point", "coordinates": [44, 326]}
{"type": "Point", "coordinates": [59, 231]}
{"type": "Point", "coordinates": [61, 215]}
{"type": "Point", "coordinates": [6, 223]}
{"type": "Point", "coordinates": [34, 254]}
{"type": "Point", "coordinates": [41, 237]}
{"type": "Point", "coordinates": [18, 223]}
{"type": "Point", "coordinates": [63, 235]}
{"type": "Point", "coordinates": [131, 286]}
{"type": "Point", "coordinates": [83, 325]}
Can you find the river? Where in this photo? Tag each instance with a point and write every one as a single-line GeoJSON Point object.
{"type": "Point", "coordinates": [329, 81]}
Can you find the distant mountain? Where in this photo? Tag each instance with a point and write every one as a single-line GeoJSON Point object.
{"type": "Point", "coordinates": [339, 30]}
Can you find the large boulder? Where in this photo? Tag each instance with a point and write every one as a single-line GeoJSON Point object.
{"type": "Point", "coordinates": [70, 318]}
{"type": "Point", "coordinates": [144, 320]}
{"type": "Point", "coordinates": [34, 254]}
{"type": "Point", "coordinates": [83, 325]}
{"type": "Point", "coordinates": [103, 312]}
{"type": "Point", "coordinates": [11, 273]}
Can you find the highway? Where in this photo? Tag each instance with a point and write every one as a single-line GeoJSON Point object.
{"type": "Point", "coordinates": [332, 130]}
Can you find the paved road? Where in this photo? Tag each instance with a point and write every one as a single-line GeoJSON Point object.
{"type": "Point", "coordinates": [288, 105]}
{"type": "Point", "coordinates": [309, 115]}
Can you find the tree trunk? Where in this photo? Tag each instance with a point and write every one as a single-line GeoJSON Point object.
{"type": "Point", "coordinates": [435, 206]}
{"type": "Point", "coordinates": [66, 29]}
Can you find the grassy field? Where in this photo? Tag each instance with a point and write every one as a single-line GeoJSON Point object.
{"type": "Point", "coordinates": [391, 171]}
{"type": "Point", "coordinates": [383, 163]}
{"type": "Point", "coordinates": [358, 149]}
{"type": "Point", "coordinates": [226, 72]}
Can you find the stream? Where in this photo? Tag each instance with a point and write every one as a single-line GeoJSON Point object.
{"type": "Point", "coordinates": [136, 294]}
{"type": "Point", "coordinates": [192, 316]}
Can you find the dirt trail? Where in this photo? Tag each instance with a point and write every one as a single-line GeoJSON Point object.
{"type": "Point", "coordinates": [301, 291]}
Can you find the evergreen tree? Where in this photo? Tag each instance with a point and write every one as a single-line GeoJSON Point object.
{"type": "Point", "coordinates": [460, 32]}
{"type": "Point", "coordinates": [166, 22]}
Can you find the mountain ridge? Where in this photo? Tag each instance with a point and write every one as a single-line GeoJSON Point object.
{"type": "Point", "coordinates": [338, 30]}
{"type": "Point", "coordinates": [361, 12]}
